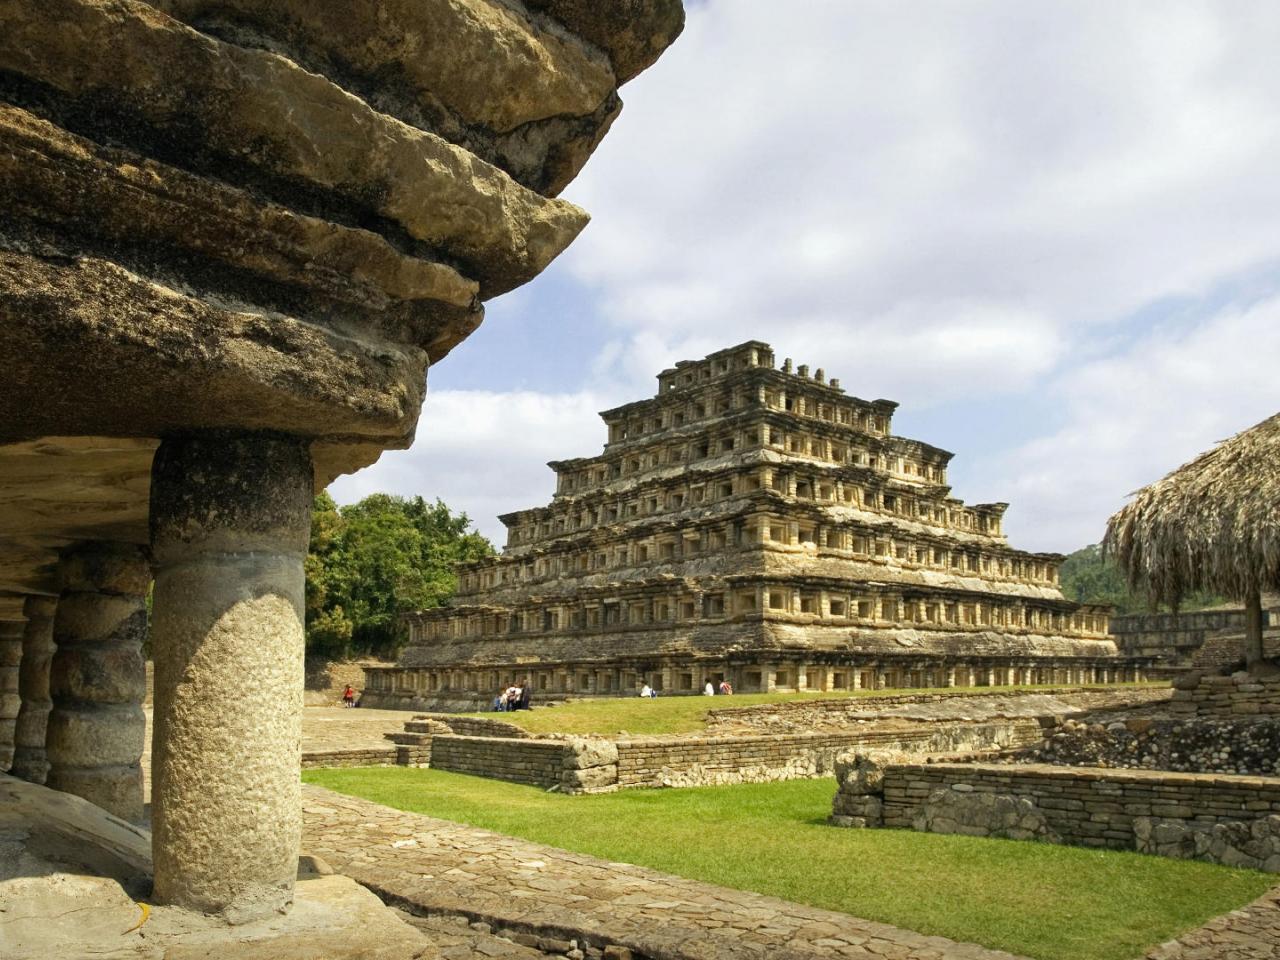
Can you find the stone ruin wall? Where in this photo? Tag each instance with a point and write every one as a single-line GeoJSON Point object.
{"type": "Point", "coordinates": [1245, 745]}
{"type": "Point", "coordinates": [1237, 695]}
{"type": "Point", "coordinates": [1199, 639]}
{"type": "Point", "coordinates": [797, 714]}
{"type": "Point", "coordinates": [236, 235]}
{"type": "Point", "coordinates": [761, 525]}
{"type": "Point", "coordinates": [1224, 819]}
{"type": "Point", "coordinates": [592, 765]}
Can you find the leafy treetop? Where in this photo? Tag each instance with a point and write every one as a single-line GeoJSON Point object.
{"type": "Point", "coordinates": [371, 561]}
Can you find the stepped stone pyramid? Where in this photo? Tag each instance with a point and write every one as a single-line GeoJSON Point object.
{"type": "Point", "coordinates": [758, 525]}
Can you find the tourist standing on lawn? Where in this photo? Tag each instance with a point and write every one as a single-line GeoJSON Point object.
{"type": "Point", "coordinates": [708, 690]}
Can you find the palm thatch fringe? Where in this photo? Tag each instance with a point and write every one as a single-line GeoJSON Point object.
{"type": "Point", "coordinates": [1212, 524]}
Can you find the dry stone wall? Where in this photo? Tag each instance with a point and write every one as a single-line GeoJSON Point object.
{"type": "Point", "coordinates": [670, 762]}
{"type": "Point", "coordinates": [1226, 819]}
{"type": "Point", "coordinates": [1239, 695]}
{"type": "Point", "coordinates": [384, 756]}
{"type": "Point", "coordinates": [588, 765]}
{"type": "Point", "coordinates": [470, 726]}
{"type": "Point", "coordinates": [1204, 639]}
{"type": "Point", "coordinates": [1243, 745]}
{"type": "Point", "coordinates": [976, 704]}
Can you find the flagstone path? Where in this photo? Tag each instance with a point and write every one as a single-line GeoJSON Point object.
{"type": "Point", "coordinates": [1250, 933]}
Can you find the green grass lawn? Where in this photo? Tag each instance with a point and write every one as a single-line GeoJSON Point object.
{"type": "Point", "coordinates": [683, 714]}
{"type": "Point", "coordinates": [1043, 901]}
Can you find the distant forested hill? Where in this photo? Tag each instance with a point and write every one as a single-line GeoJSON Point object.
{"type": "Point", "coordinates": [1088, 578]}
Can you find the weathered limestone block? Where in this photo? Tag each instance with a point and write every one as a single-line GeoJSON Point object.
{"type": "Point", "coordinates": [11, 632]}
{"type": "Point", "coordinates": [591, 780]}
{"type": "Point", "coordinates": [252, 107]}
{"type": "Point", "coordinates": [446, 59]}
{"type": "Point", "coordinates": [854, 811]}
{"type": "Point", "coordinates": [963, 811]}
{"type": "Point", "coordinates": [230, 519]}
{"type": "Point", "coordinates": [582, 753]}
{"type": "Point", "coordinates": [632, 32]}
{"type": "Point", "coordinates": [1254, 845]}
{"type": "Point", "coordinates": [230, 214]}
{"type": "Point", "coordinates": [97, 678]}
{"type": "Point", "coordinates": [859, 791]}
{"type": "Point", "coordinates": [859, 773]}
{"type": "Point", "coordinates": [30, 760]}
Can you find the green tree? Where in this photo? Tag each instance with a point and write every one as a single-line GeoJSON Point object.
{"type": "Point", "coordinates": [1087, 577]}
{"type": "Point", "coordinates": [372, 561]}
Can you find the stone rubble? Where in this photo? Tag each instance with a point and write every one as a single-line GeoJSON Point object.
{"type": "Point", "coordinates": [1243, 745]}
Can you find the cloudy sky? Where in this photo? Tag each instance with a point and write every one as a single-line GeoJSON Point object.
{"type": "Point", "coordinates": [1051, 232]}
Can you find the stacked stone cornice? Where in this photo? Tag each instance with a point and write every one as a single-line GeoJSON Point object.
{"type": "Point", "coordinates": [751, 517]}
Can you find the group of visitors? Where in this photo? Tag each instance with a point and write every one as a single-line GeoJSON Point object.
{"type": "Point", "coordinates": [710, 690]}
{"type": "Point", "coordinates": [515, 697]}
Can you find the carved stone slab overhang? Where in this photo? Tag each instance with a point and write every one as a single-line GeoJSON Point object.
{"type": "Point", "coordinates": [268, 216]}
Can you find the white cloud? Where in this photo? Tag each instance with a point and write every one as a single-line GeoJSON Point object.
{"type": "Point", "coordinates": [1135, 415]}
{"type": "Point", "coordinates": [949, 205]}
{"type": "Point", "coordinates": [484, 453]}
{"type": "Point", "coordinates": [873, 178]}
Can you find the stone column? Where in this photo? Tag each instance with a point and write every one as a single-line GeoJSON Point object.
{"type": "Point", "coordinates": [30, 761]}
{"type": "Point", "coordinates": [230, 519]}
{"type": "Point", "coordinates": [11, 632]}
{"type": "Point", "coordinates": [855, 678]}
{"type": "Point", "coordinates": [950, 680]}
{"type": "Point", "coordinates": [97, 677]}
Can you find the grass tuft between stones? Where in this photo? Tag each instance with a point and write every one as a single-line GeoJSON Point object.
{"type": "Point", "coordinates": [1038, 900]}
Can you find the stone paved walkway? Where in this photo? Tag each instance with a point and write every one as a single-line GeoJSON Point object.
{"type": "Point", "coordinates": [1251, 933]}
{"type": "Point", "coordinates": [437, 867]}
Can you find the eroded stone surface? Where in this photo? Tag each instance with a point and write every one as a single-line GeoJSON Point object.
{"type": "Point", "coordinates": [97, 677]}
{"type": "Point", "coordinates": [230, 519]}
{"type": "Point", "coordinates": [30, 759]}
{"type": "Point", "coordinates": [960, 810]}
{"type": "Point", "coordinates": [226, 214]}
{"type": "Point", "coordinates": [72, 878]}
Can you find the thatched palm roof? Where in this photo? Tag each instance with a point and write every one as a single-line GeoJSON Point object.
{"type": "Point", "coordinates": [1212, 524]}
